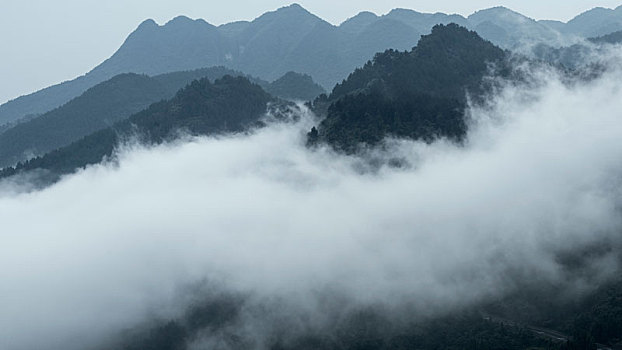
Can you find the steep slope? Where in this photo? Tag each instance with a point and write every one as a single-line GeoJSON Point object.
{"type": "Point", "coordinates": [267, 43]}
{"type": "Point", "coordinates": [118, 98]}
{"type": "Point", "coordinates": [583, 54]}
{"type": "Point", "coordinates": [292, 39]}
{"type": "Point", "coordinates": [612, 38]}
{"type": "Point", "coordinates": [201, 108]}
{"type": "Point", "coordinates": [419, 94]}
{"type": "Point", "coordinates": [44, 100]}
{"type": "Point", "coordinates": [423, 22]}
{"type": "Point", "coordinates": [596, 22]}
{"type": "Point", "coordinates": [99, 107]}
{"type": "Point", "coordinates": [510, 29]}
{"type": "Point", "coordinates": [181, 44]}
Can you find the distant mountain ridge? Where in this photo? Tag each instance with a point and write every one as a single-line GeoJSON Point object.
{"type": "Point", "coordinates": [293, 39]}
{"type": "Point", "coordinates": [419, 94]}
{"type": "Point", "coordinates": [118, 98]}
{"type": "Point", "coordinates": [200, 108]}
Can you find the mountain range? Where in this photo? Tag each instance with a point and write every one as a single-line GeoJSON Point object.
{"type": "Point", "coordinates": [200, 108]}
{"type": "Point", "coordinates": [117, 99]}
{"type": "Point", "coordinates": [419, 93]}
{"type": "Point", "coordinates": [293, 39]}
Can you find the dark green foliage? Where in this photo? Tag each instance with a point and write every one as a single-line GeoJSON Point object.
{"type": "Point", "coordinates": [295, 86]}
{"type": "Point", "coordinates": [599, 318]}
{"type": "Point", "coordinates": [115, 100]}
{"type": "Point", "coordinates": [98, 108]}
{"type": "Point", "coordinates": [210, 315]}
{"type": "Point", "coordinates": [368, 118]}
{"type": "Point", "coordinates": [289, 39]}
{"type": "Point", "coordinates": [587, 318]}
{"type": "Point", "coordinates": [231, 104]}
{"type": "Point", "coordinates": [361, 328]}
{"type": "Point", "coordinates": [419, 94]}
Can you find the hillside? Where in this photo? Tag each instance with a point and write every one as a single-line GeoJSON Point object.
{"type": "Point", "coordinates": [201, 108]}
{"type": "Point", "coordinates": [293, 39]}
{"type": "Point", "coordinates": [117, 99]}
{"type": "Point", "coordinates": [598, 21]}
{"type": "Point", "coordinates": [578, 55]}
{"type": "Point", "coordinates": [417, 94]}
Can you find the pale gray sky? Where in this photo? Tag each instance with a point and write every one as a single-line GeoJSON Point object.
{"type": "Point", "coordinates": [45, 42]}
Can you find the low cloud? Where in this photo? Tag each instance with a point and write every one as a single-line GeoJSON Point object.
{"type": "Point", "coordinates": [115, 244]}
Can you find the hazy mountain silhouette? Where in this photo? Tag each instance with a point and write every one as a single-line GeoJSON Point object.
{"type": "Point", "coordinates": [295, 86]}
{"type": "Point", "coordinates": [510, 29]}
{"type": "Point", "coordinates": [118, 98]}
{"type": "Point", "coordinates": [596, 22]}
{"type": "Point", "coordinates": [292, 39]}
{"type": "Point", "coordinates": [201, 108]}
{"type": "Point", "coordinates": [583, 54]}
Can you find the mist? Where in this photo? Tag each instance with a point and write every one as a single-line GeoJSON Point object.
{"type": "Point", "coordinates": [260, 214]}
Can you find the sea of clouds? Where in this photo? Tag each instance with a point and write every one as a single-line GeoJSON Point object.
{"type": "Point", "coordinates": [115, 244]}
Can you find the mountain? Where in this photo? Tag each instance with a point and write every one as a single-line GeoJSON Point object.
{"type": "Point", "coordinates": [612, 38]}
{"type": "Point", "coordinates": [418, 94]}
{"type": "Point", "coordinates": [510, 29]}
{"type": "Point", "coordinates": [201, 108]}
{"type": "Point", "coordinates": [596, 22]}
{"type": "Point", "coordinates": [293, 39]}
{"type": "Point", "coordinates": [583, 54]}
{"type": "Point", "coordinates": [99, 107]}
{"type": "Point", "coordinates": [118, 98]}
{"type": "Point", "coordinates": [295, 86]}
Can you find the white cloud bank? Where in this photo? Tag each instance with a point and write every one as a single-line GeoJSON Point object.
{"type": "Point", "coordinates": [539, 174]}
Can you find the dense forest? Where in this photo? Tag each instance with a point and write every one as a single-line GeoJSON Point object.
{"type": "Point", "coordinates": [230, 104]}
{"type": "Point", "coordinates": [419, 94]}
{"type": "Point", "coordinates": [117, 99]}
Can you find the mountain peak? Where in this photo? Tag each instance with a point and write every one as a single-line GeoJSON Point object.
{"type": "Point", "coordinates": [359, 21]}
{"type": "Point", "coordinates": [183, 21]}
{"type": "Point", "coordinates": [293, 12]}
{"type": "Point", "coordinates": [148, 23]}
{"type": "Point", "coordinates": [450, 29]}
{"type": "Point", "coordinates": [497, 11]}
{"type": "Point", "coordinates": [363, 14]}
{"type": "Point", "coordinates": [499, 14]}
{"type": "Point", "coordinates": [293, 8]}
{"type": "Point", "coordinates": [399, 10]}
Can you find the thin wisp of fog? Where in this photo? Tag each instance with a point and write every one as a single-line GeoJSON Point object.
{"type": "Point", "coordinates": [262, 215]}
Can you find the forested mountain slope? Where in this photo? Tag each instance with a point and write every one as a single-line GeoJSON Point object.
{"type": "Point", "coordinates": [200, 108]}
{"type": "Point", "coordinates": [419, 94]}
{"type": "Point", "coordinates": [117, 99]}
{"type": "Point", "coordinates": [293, 39]}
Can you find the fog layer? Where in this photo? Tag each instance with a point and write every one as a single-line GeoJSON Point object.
{"type": "Point", "coordinates": [116, 243]}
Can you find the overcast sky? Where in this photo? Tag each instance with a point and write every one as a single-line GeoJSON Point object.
{"type": "Point", "coordinates": [45, 42]}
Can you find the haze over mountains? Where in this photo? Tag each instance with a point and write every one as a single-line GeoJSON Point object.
{"type": "Point", "coordinates": [448, 195]}
{"type": "Point", "coordinates": [292, 39]}
{"type": "Point", "coordinates": [117, 99]}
